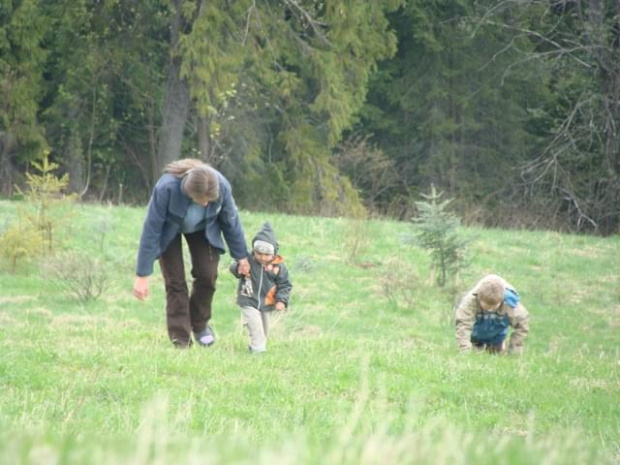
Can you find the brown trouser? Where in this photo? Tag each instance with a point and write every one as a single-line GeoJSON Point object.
{"type": "Point", "coordinates": [490, 348]}
{"type": "Point", "coordinates": [186, 313]}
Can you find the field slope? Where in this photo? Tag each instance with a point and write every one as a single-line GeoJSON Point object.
{"type": "Point", "coordinates": [363, 368]}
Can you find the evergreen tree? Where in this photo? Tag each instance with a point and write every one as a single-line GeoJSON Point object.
{"type": "Point", "coordinates": [437, 231]}
{"type": "Point", "coordinates": [576, 170]}
{"type": "Point", "coordinates": [23, 27]}
{"type": "Point", "coordinates": [103, 91]}
{"type": "Point", "coordinates": [293, 75]}
{"type": "Point", "coordinates": [444, 109]}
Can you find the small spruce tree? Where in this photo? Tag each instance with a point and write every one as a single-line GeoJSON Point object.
{"type": "Point", "coordinates": [437, 231]}
{"type": "Point", "coordinates": [39, 217]}
{"type": "Point", "coordinates": [45, 196]}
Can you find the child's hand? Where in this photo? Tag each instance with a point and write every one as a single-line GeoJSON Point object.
{"type": "Point", "coordinates": [280, 307]}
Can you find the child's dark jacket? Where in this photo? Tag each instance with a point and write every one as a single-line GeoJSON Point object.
{"type": "Point", "coordinates": [266, 285]}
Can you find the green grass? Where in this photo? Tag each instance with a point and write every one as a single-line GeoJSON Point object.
{"type": "Point", "coordinates": [351, 376]}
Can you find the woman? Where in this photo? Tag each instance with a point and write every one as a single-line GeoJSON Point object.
{"type": "Point", "coordinates": [194, 200]}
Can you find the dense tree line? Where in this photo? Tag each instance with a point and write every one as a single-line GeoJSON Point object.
{"type": "Point", "coordinates": [329, 107]}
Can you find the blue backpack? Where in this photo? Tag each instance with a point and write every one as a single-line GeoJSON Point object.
{"type": "Point", "coordinates": [511, 298]}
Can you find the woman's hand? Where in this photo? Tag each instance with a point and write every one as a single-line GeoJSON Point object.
{"type": "Point", "coordinates": [243, 267]}
{"type": "Point", "coordinates": [141, 287]}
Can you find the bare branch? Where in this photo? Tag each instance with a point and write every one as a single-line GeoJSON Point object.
{"type": "Point", "coordinates": [314, 24]}
{"type": "Point", "coordinates": [549, 157]}
{"type": "Point", "coordinates": [247, 23]}
{"type": "Point", "coordinates": [561, 50]}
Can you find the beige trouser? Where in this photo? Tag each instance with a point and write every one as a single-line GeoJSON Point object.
{"type": "Point", "coordinates": [257, 323]}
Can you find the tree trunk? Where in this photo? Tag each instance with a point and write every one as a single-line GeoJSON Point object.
{"type": "Point", "coordinates": [612, 120]}
{"type": "Point", "coordinates": [151, 172]}
{"type": "Point", "coordinates": [177, 99]}
{"type": "Point", "coordinates": [74, 162]}
{"type": "Point", "coordinates": [612, 91]}
{"type": "Point", "coordinates": [204, 139]}
{"type": "Point", "coordinates": [7, 142]}
{"type": "Point", "coordinates": [91, 139]}
{"type": "Point", "coordinates": [605, 40]}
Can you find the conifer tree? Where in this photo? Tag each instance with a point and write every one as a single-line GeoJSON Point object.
{"type": "Point", "coordinates": [437, 230]}
{"type": "Point", "coordinates": [22, 60]}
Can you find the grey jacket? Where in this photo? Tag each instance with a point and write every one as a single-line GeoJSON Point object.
{"type": "Point", "coordinates": [266, 285]}
{"type": "Point", "coordinates": [165, 214]}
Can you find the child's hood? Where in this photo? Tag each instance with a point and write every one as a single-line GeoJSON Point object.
{"type": "Point", "coordinates": [267, 234]}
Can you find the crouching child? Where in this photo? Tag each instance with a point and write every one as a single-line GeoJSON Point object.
{"type": "Point", "coordinates": [265, 289]}
{"type": "Point", "coordinates": [485, 314]}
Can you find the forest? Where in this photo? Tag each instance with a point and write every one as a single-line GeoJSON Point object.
{"type": "Point", "coordinates": [325, 107]}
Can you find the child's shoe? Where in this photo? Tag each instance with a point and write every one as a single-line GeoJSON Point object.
{"type": "Point", "coordinates": [205, 338]}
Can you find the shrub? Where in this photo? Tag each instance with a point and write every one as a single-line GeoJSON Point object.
{"type": "Point", "coordinates": [356, 238]}
{"type": "Point", "coordinates": [437, 230]}
{"type": "Point", "coordinates": [39, 218]}
{"type": "Point", "coordinates": [399, 288]}
{"type": "Point", "coordinates": [77, 275]}
{"type": "Point", "coordinates": [19, 243]}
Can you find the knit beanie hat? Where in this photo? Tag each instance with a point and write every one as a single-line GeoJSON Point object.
{"type": "Point", "coordinates": [264, 247]}
{"type": "Point", "coordinates": [265, 240]}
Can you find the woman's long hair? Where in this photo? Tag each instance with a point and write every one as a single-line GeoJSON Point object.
{"type": "Point", "coordinates": [199, 179]}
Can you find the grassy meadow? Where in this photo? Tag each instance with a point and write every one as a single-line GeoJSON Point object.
{"type": "Point", "coordinates": [363, 368]}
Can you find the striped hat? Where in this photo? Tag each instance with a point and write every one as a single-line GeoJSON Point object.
{"type": "Point", "coordinates": [264, 247]}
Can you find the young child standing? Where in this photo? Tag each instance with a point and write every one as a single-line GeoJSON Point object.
{"type": "Point", "coordinates": [265, 289]}
{"type": "Point", "coordinates": [486, 312]}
